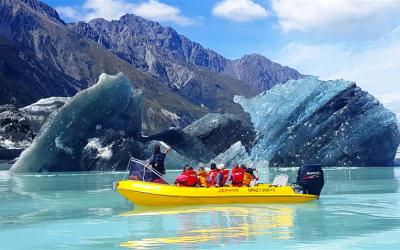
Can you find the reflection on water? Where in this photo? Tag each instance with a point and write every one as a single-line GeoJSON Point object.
{"type": "Point", "coordinates": [225, 225]}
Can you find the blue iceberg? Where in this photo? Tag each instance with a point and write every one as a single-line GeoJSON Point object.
{"type": "Point", "coordinates": [92, 131]}
{"type": "Point", "coordinates": [236, 154]}
{"type": "Point", "coordinates": [208, 136]}
{"type": "Point", "coordinates": [330, 122]}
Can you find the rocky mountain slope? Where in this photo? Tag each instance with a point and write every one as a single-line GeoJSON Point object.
{"type": "Point", "coordinates": [172, 58]}
{"type": "Point", "coordinates": [24, 78]}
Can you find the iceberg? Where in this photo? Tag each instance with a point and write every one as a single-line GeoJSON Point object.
{"type": "Point", "coordinates": [330, 122]}
{"type": "Point", "coordinates": [235, 154]}
{"type": "Point", "coordinates": [219, 131]}
{"type": "Point", "coordinates": [208, 136]}
{"type": "Point", "coordinates": [97, 123]}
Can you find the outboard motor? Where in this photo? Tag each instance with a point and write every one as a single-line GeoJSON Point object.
{"type": "Point", "coordinates": [311, 178]}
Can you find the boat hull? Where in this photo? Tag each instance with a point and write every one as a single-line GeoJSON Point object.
{"type": "Point", "coordinates": [151, 194]}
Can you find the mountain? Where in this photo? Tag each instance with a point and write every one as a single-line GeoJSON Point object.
{"type": "Point", "coordinates": [262, 72]}
{"type": "Point", "coordinates": [162, 53]}
{"type": "Point", "coordinates": [181, 80]}
{"type": "Point", "coordinates": [171, 57]}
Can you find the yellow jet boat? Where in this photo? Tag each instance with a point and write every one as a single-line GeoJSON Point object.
{"type": "Point", "coordinates": [310, 180]}
{"type": "Point", "coordinates": [152, 194]}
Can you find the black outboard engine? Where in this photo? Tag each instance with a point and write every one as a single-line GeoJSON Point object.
{"type": "Point", "coordinates": [311, 178]}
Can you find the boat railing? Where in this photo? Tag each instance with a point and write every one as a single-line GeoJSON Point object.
{"type": "Point", "coordinates": [137, 166]}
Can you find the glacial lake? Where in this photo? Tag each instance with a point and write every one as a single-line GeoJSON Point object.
{"type": "Point", "coordinates": [359, 208]}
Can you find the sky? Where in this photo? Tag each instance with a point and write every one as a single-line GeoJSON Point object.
{"type": "Point", "coordinates": [357, 40]}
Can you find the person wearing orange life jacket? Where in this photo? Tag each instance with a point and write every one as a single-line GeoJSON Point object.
{"type": "Point", "coordinates": [223, 175]}
{"type": "Point", "coordinates": [202, 175]}
{"type": "Point", "coordinates": [188, 178]}
{"type": "Point", "coordinates": [249, 176]}
{"type": "Point", "coordinates": [212, 175]}
{"type": "Point", "coordinates": [237, 175]}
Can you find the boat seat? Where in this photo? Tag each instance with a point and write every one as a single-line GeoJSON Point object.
{"type": "Point", "coordinates": [281, 180]}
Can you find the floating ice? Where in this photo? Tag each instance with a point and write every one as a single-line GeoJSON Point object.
{"type": "Point", "coordinates": [109, 111]}
{"type": "Point", "coordinates": [102, 152]}
{"type": "Point", "coordinates": [207, 137]}
{"type": "Point", "coordinates": [219, 131]}
{"type": "Point", "coordinates": [331, 122]}
{"type": "Point", "coordinates": [235, 154]}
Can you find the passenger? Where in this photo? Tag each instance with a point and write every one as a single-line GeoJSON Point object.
{"type": "Point", "coordinates": [237, 175]}
{"type": "Point", "coordinates": [212, 175]}
{"type": "Point", "coordinates": [249, 177]}
{"type": "Point", "coordinates": [223, 175]}
{"type": "Point", "coordinates": [182, 177]}
{"type": "Point", "coordinates": [202, 175]}
{"type": "Point", "coordinates": [188, 178]}
{"type": "Point", "coordinates": [192, 177]}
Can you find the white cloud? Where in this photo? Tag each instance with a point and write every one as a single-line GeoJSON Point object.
{"type": "Point", "coordinates": [107, 9]}
{"type": "Point", "coordinates": [161, 12]}
{"type": "Point", "coordinates": [68, 12]}
{"type": "Point", "coordinates": [239, 10]}
{"type": "Point", "coordinates": [114, 9]}
{"type": "Point", "coordinates": [374, 65]}
{"type": "Point", "coordinates": [334, 15]}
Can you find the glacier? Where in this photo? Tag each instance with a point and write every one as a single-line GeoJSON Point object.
{"type": "Point", "coordinates": [330, 122]}
{"type": "Point", "coordinates": [101, 120]}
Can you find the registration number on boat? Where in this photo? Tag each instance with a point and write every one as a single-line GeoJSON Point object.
{"type": "Point", "coordinates": [261, 190]}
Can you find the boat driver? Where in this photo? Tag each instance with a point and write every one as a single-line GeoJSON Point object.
{"type": "Point", "coordinates": [158, 158]}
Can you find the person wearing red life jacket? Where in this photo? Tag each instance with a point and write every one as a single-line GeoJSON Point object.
{"type": "Point", "coordinates": [212, 175]}
{"type": "Point", "coordinates": [182, 177]}
{"type": "Point", "coordinates": [192, 177]}
{"type": "Point", "coordinates": [223, 175]}
{"type": "Point", "coordinates": [188, 178]}
{"type": "Point", "coordinates": [237, 175]}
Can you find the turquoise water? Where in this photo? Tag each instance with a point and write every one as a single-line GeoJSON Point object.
{"type": "Point", "coordinates": [359, 208]}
